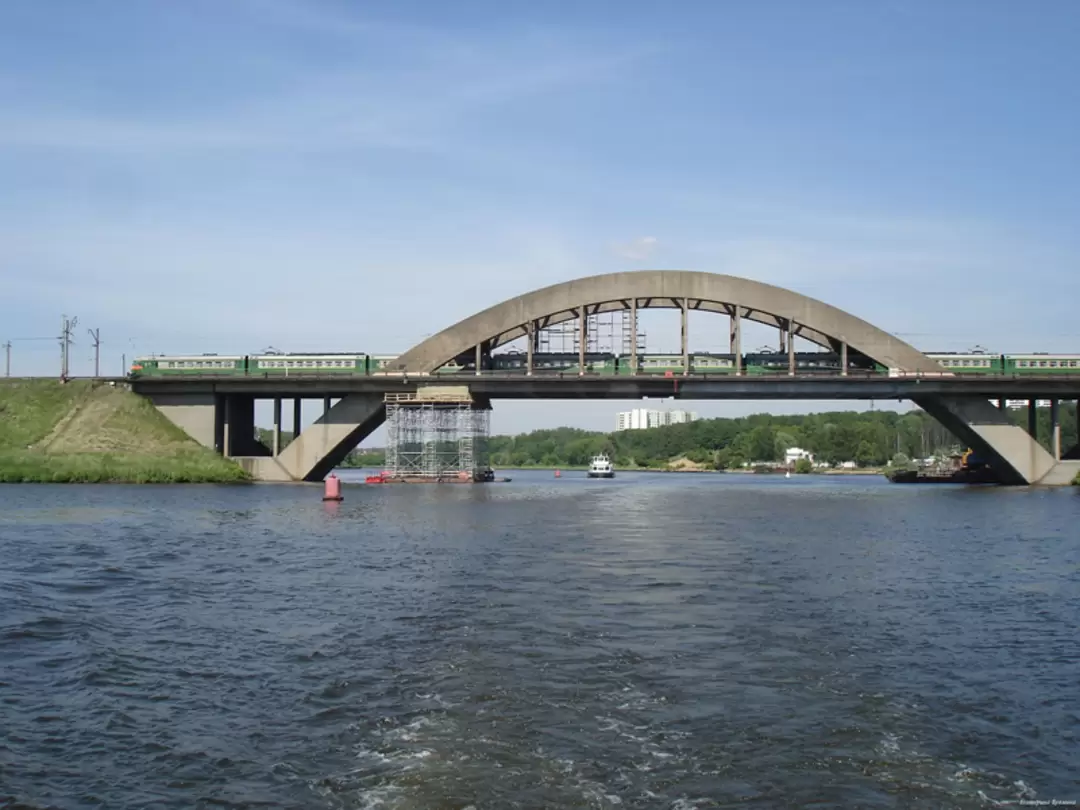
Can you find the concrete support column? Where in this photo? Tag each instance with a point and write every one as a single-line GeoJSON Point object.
{"type": "Point", "coordinates": [1033, 419]}
{"type": "Point", "coordinates": [227, 408]}
{"type": "Point", "coordinates": [530, 331]}
{"type": "Point", "coordinates": [1003, 405]}
{"type": "Point", "coordinates": [582, 322]}
{"type": "Point", "coordinates": [633, 337]}
{"type": "Point", "coordinates": [277, 426]}
{"type": "Point", "coordinates": [479, 357]}
{"type": "Point", "coordinates": [297, 403]}
{"type": "Point", "coordinates": [791, 348]}
{"type": "Point", "coordinates": [843, 358]}
{"type": "Point", "coordinates": [685, 337]}
{"type": "Point", "coordinates": [736, 339]}
{"type": "Point", "coordinates": [1055, 429]}
{"type": "Point", "coordinates": [240, 438]}
{"type": "Point", "coordinates": [325, 405]}
{"type": "Point", "coordinates": [219, 424]}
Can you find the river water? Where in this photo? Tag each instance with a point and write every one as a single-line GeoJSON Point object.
{"type": "Point", "coordinates": [667, 641]}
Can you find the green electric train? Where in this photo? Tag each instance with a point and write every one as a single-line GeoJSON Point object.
{"type": "Point", "coordinates": [596, 363]}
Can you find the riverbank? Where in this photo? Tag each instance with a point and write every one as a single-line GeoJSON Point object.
{"type": "Point", "coordinates": [700, 470]}
{"type": "Point", "coordinates": [87, 432]}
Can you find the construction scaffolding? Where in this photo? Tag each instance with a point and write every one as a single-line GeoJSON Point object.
{"type": "Point", "coordinates": [437, 435]}
{"type": "Point", "coordinates": [604, 332]}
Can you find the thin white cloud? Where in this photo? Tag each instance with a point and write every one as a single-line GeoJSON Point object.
{"type": "Point", "coordinates": [638, 249]}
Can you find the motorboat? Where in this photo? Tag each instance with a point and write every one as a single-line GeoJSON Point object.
{"type": "Point", "coordinates": [600, 467]}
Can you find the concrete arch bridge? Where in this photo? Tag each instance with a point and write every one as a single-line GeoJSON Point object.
{"type": "Point", "coordinates": [963, 406]}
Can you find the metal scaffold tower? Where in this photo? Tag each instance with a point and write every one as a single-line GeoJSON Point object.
{"type": "Point", "coordinates": [604, 332]}
{"type": "Point", "coordinates": [436, 435]}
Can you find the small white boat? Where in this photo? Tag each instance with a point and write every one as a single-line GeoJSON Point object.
{"type": "Point", "coordinates": [600, 467]}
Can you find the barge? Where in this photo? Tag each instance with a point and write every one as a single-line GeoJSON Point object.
{"type": "Point", "coordinates": [965, 468]}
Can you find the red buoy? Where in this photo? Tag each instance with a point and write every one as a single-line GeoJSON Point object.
{"type": "Point", "coordinates": [332, 489]}
{"type": "Point", "coordinates": [558, 474]}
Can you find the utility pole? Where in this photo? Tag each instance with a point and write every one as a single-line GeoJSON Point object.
{"type": "Point", "coordinates": [96, 335]}
{"type": "Point", "coordinates": [65, 344]}
{"type": "Point", "coordinates": [7, 361]}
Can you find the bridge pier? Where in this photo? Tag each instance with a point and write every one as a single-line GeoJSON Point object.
{"type": "Point", "coordinates": [315, 451]}
{"type": "Point", "coordinates": [239, 427]}
{"type": "Point", "coordinates": [1013, 452]}
{"type": "Point", "coordinates": [195, 414]}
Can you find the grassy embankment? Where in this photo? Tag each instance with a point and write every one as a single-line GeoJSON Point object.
{"type": "Point", "coordinates": [82, 432]}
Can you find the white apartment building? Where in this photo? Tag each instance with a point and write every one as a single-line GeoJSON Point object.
{"type": "Point", "coordinates": [642, 418]}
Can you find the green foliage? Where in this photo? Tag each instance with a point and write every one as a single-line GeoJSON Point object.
{"type": "Point", "coordinates": [86, 432]}
{"type": "Point", "coordinates": [870, 439]}
{"type": "Point", "coordinates": [803, 466]}
{"type": "Point", "coordinates": [30, 409]}
{"type": "Point", "coordinates": [1042, 420]}
{"type": "Point", "coordinates": [365, 458]}
{"type": "Point", "coordinates": [102, 468]}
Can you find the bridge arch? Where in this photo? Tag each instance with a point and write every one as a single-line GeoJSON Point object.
{"type": "Point", "coordinates": [739, 298]}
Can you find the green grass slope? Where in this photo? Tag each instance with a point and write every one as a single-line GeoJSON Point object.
{"type": "Point", "coordinates": [91, 432]}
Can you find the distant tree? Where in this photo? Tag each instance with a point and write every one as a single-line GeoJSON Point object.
{"type": "Point", "coordinates": [865, 454]}
{"type": "Point", "coordinates": [762, 444]}
{"type": "Point", "coordinates": [803, 466]}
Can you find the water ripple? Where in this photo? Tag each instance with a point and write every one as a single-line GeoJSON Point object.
{"type": "Point", "coordinates": [656, 641]}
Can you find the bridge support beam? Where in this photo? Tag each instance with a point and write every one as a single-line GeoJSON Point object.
{"type": "Point", "coordinates": [277, 426]}
{"type": "Point", "coordinates": [684, 308]}
{"type": "Point", "coordinates": [324, 444]}
{"type": "Point", "coordinates": [736, 338]}
{"type": "Point", "coordinates": [790, 347]}
{"type": "Point", "coordinates": [1011, 451]}
{"type": "Point", "coordinates": [240, 427]}
{"type": "Point", "coordinates": [195, 414]}
{"type": "Point", "coordinates": [530, 346]}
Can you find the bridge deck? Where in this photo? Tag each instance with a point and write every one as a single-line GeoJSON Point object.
{"type": "Point", "coordinates": [573, 386]}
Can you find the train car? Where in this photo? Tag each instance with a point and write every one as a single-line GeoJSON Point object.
{"type": "Point", "coordinates": [273, 365]}
{"type": "Point", "coordinates": [379, 364]}
{"type": "Point", "coordinates": [208, 364]}
{"type": "Point", "coordinates": [969, 362]}
{"type": "Point", "coordinates": [805, 363]}
{"type": "Point", "coordinates": [656, 363]}
{"type": "Point", "coordinates": [553, 363]}
{"type": "Point", "coordinates": [704, 363]}
{"type": "Point", "coordinates": [1029, 364]}
{"type": "Point", "coordinates": [700, 363]}
{"type": "Point", "coordinates": [453, 367]}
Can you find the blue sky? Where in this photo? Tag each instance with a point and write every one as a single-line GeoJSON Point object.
{"type": "Point", "coordinates": [305, 174]}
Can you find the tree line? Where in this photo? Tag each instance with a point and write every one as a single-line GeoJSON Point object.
{"type": "Point", "coordinates": [870, 439]}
